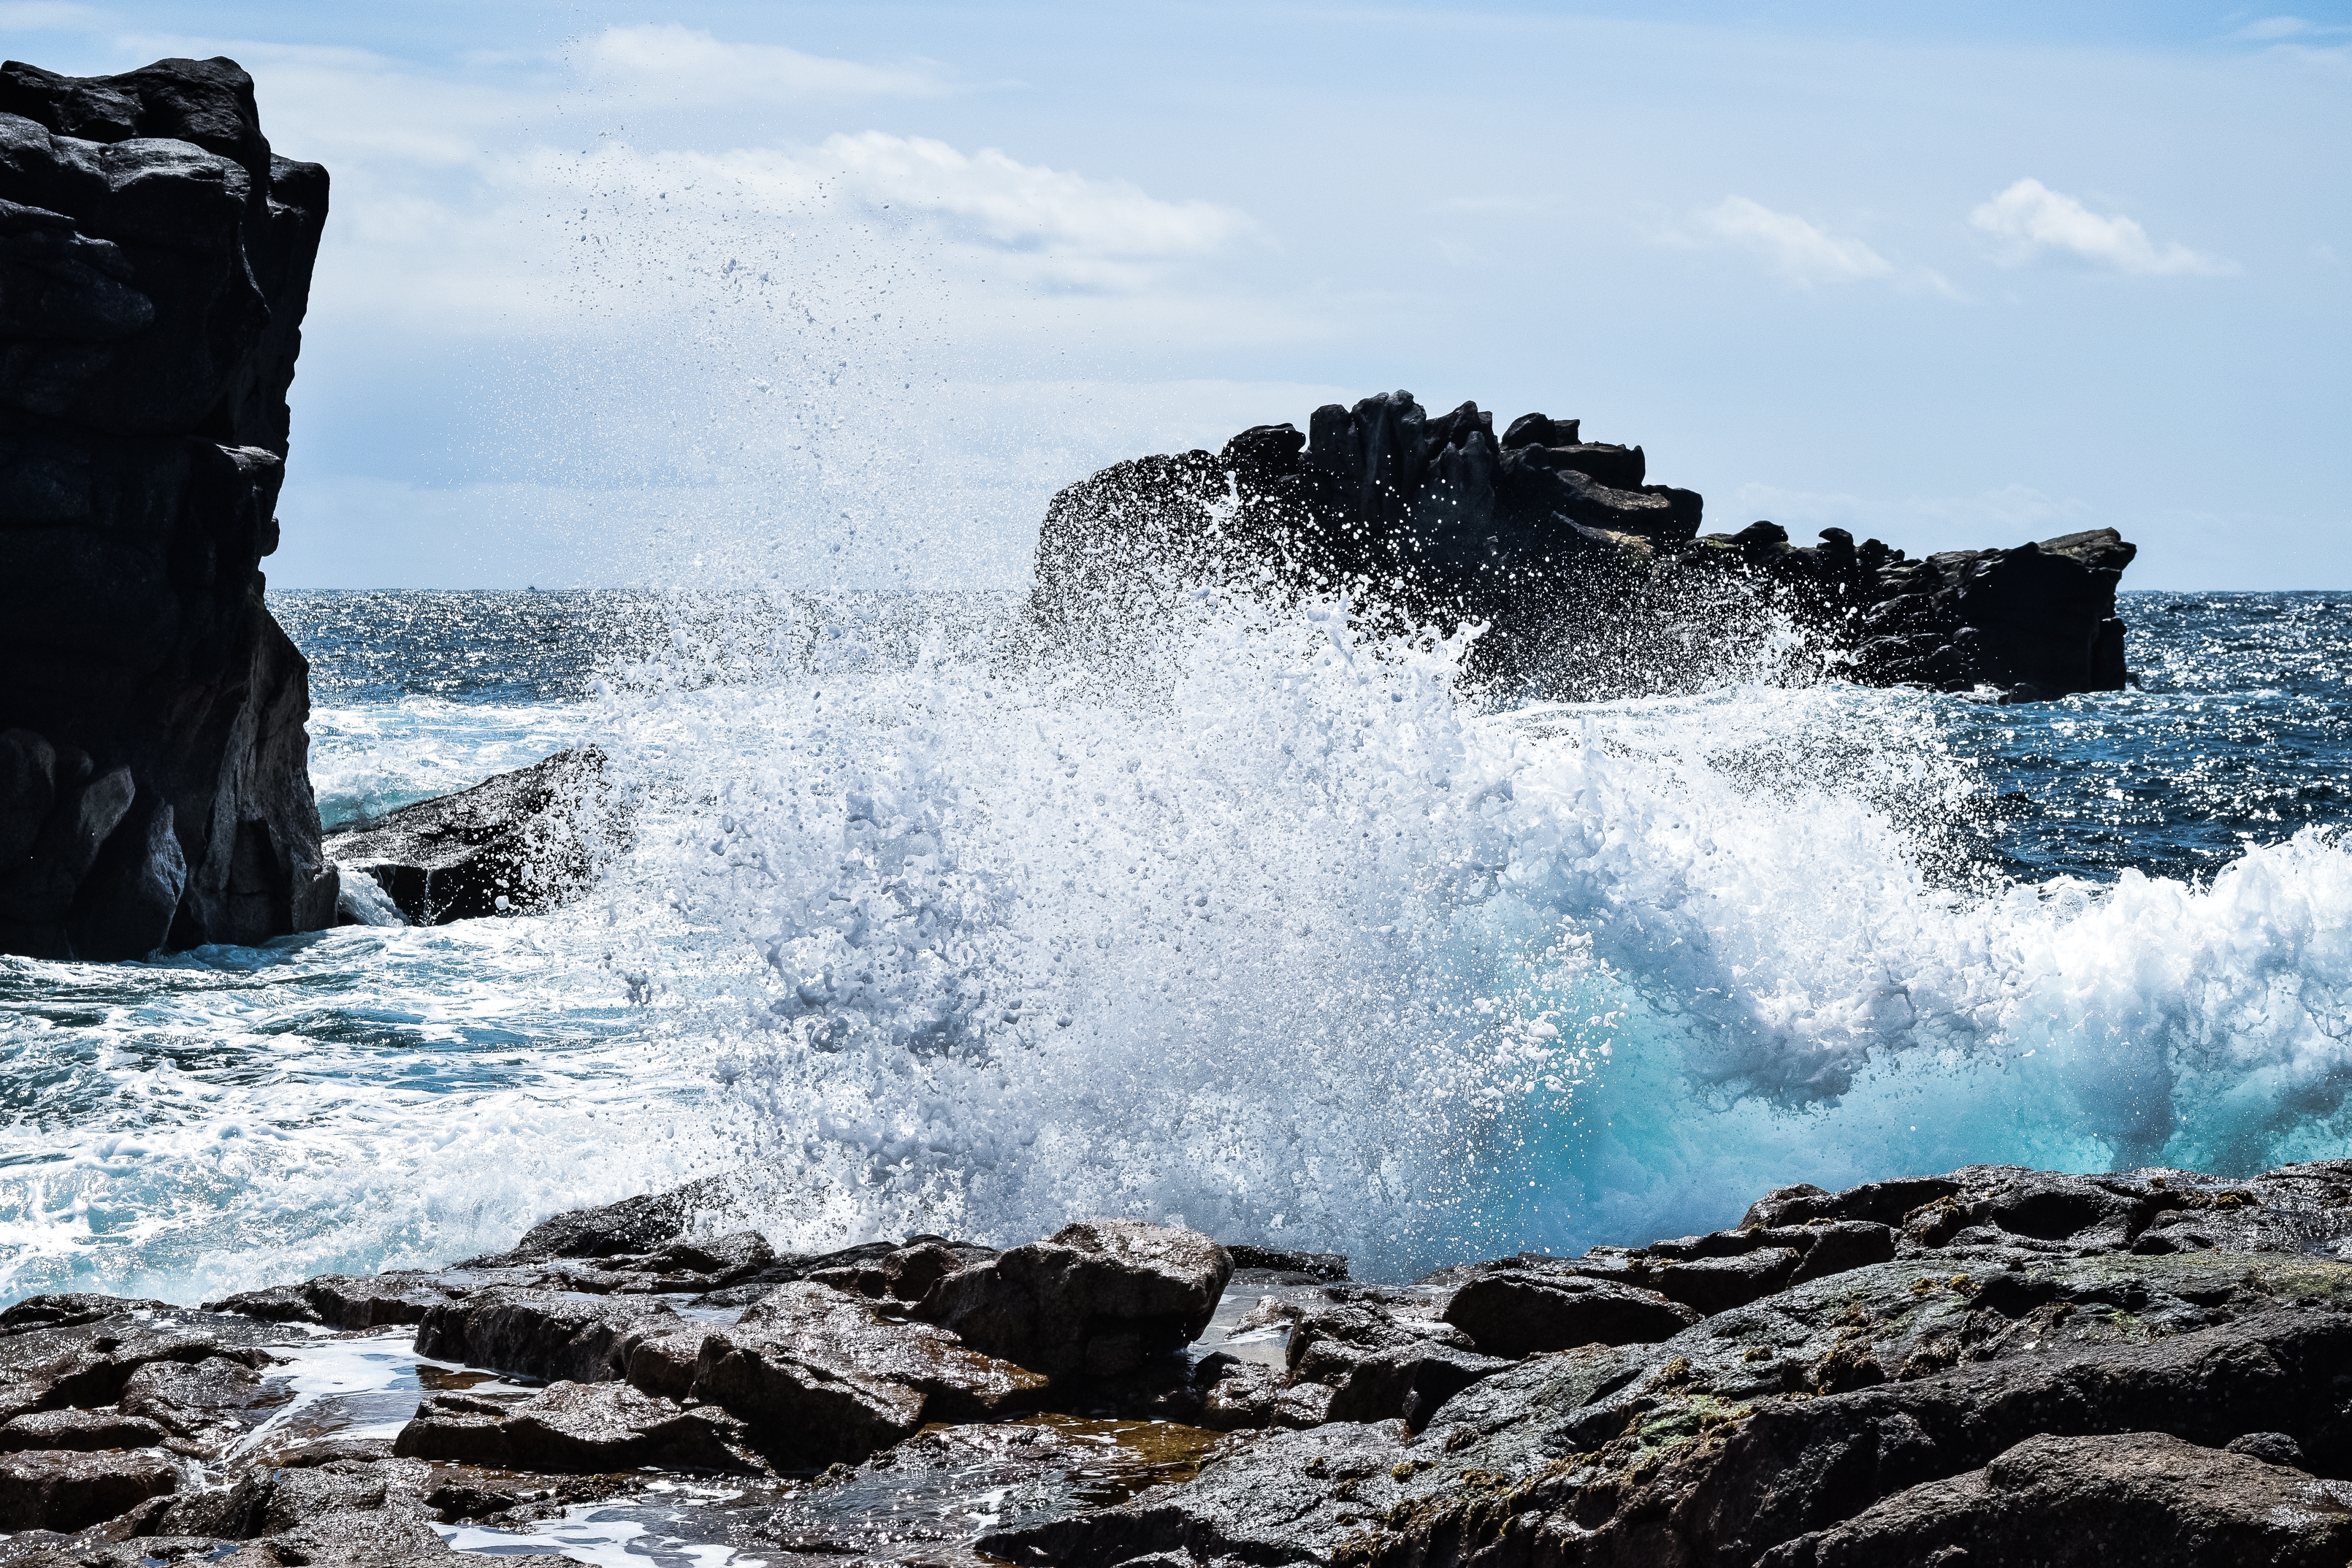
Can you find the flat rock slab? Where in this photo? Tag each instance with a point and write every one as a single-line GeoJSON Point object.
{"type": "Point", "coordinates": [2143, 1498]}
{"type": "Point", "coordinates": [822, 1377]}
{"type": "Point", "coordinates": [1285, 1497]}
{"type": "Point", "coordinates": [1516, 1314]}
{"type": "Point", "coordinates": [68, 1490]}
{"type": "Point", "coordinates": [573, 1428]}
{"type": "Point", "coordinates": [84, 1431]}
{"type": "Point", "coordinates": [1097, 1299]}
{"type": "Point", "coordinates": [546, 1335]}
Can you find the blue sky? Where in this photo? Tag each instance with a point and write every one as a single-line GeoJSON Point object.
{"type": "Point", "coordinates": [842, 294]}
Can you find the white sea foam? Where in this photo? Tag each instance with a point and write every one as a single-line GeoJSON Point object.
{"type": "Point", "coordinates": [1287, 938]}
{"type": "Point", "coordinates": [1278, 932]}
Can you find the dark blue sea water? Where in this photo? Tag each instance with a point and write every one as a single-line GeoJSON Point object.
{"type": "Point", "coordinates": [1291, 938]}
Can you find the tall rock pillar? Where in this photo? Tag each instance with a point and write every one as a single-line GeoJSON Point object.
{"type": "Point", "coordinates": [155, 262]}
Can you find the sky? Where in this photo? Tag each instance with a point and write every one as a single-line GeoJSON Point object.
{"type": "Point", "coordinates": [840, 295]}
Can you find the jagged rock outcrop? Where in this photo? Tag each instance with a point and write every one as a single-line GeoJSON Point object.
{"type": "Point", "coordinates": [1994, 1363]}
{"type": "Point", "coordinates": [1561, 546]}
{"type": "Point", "coordinates": [512, 844]}
{"type": "Point", "coordinates": [155, 261]}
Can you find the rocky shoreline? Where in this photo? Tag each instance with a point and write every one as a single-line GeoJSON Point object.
{"type": "Point", "coordinates": [1995, 1364]}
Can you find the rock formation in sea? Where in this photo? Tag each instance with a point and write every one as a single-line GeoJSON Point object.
{"type": "Point", "coordinates": [1995, 1364]}
{"type": "Point", "coordinates": [155, 261]}
{"type": "Point", "coordinates": [1576, 563]}
{"type": "Point", "coordinates": [514, 845]}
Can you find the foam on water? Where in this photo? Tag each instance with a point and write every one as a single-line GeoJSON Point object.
{"type": "Point", "coordinates": [1291, 941]}
{"type": "Point", "coordinates": [1279, 930]}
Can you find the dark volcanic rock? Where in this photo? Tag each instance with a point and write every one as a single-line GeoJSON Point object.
{"type": "Point", "coordinates": [1410, 1383]}
{"type": "Point", "coordinates": [574, 1428]}
{"type": "Point", "coordinates": [80, 1430]}
{"type": "Point", "coordinates": [821, 1376]}
{"type": "Point", "coordinates": [1325, 1266]}
{"type": "Point", "coordinates": [1099, 1299]}
{"type": "Point", "coordinates": [520, 842]}
{"type": "Point", "coordinates": [2141, 1498]}
{"type": "Point", "coordinates": [1512, 1313]}
{"type": "Point", "coordinates": [63, 1489]}
{"type": "Point", "coordinates": [154, 264]}
{"type": "Point", "coordinates": [345, 1300]}
{"type": "Point", "coordinates": [1574, 562]}
{"type": "Point", "coordinates": [542, 1334]}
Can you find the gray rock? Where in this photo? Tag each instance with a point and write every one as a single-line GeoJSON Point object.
{"type": "Point", "coordinates": [2142, 1498]}
{"type": "Point", "coordinates": [83, 1431]}
{"type": "Point", "coordinates": [539, 1334]}
{"type": "Point", "coordinates": [575, 1429]}
{"type": "Point", "coordinates": [824, 1376]}
{"type": "Point", "coordinates": [635, 1226]}
{"type": "Point", "coordinates": [353, 1301]}
{"type": "Point", "coordinates": [1242, 1396]}
{"type": "Point", "coordinates": [196, 1399]}
{"type": "Point", "coordinates": [1411, 1383]}
{"type": "Point", "coordinates": [63, 1489]}
{"type": "Point", "coordinates": [1287, 1497]}
{"type": "Point", "coordinates": [1099, 1299]}
{"type": "Point", "coordinates": [1512, 1313]}
{"type": "Point", "coordinates": [513, 844]}
{"type": "Point", "coordinates": [1326, 1344]}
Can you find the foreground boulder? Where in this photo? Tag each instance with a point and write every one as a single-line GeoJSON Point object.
{"type": "Point", "coordinates": [518, 842]}
{"type": "Point", "coordinates": [822, 1377]}
{"type": "Point", "coordinates": [155, 262]}
{"type": "Point", "coordinates": [2140, 1498]}
{"type": "Point", "coordinates": [1590, 579]}
{"type": "Point", "coordinates": [575, 1429]}
{"type": "Point", "coordinates": [1097, 1299]}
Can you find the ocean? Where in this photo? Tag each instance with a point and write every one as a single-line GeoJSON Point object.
{"type": "Point", "coordinates": [1280, 930]}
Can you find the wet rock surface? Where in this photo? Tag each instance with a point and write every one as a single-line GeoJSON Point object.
{"type": "Point", "coordinates": [1991, 1364]}
{"type": "Point", "coordinates": [512, 844]}
{"type": "Point", "coordinates": [155, 260]}
{"type": "Point", "coordinates": [1097, 1299]}
{"type": "Point", "coordinates": [1566, 551]}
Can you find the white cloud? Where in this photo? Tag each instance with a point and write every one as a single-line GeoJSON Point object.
{"type": "Point", "coordinates": [2276, 29]}
{"type": "Point", "coordinates": [2030, 218]}
{"type": "Point", "coordinates": [1802, 253]}
{"type": "Point", "coordinates": [671, 57]}
{"type": "Point", "coordinates": [49, 16]}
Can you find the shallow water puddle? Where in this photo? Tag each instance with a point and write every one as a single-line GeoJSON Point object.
{"type": "Point", "coordinates": [358, 1388]}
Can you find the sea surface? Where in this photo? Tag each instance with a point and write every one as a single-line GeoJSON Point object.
{"type": "Point", "coordinates": [1278, 929]}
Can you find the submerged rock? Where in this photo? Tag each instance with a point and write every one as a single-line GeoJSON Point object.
{"type": "Point", "coordinates": [154, 790]}
{"type": "Point", "coordinates": [513, 844]}
{"type": "Point", "coordinates": [1589, 580]}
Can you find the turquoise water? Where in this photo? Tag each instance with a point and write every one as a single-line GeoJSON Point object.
{"type": "Point", "coordinates": [1280, 933]}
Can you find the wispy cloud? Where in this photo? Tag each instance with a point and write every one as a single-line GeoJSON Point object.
{"type": "Point", "coordinates": [1800, 251]}
{"type": "Point", "coordinates": [2029, 220]}
{"type": "Point", "coordinates": [667, 56]}
{"type": "Point", "coordinates": [50, 16]}
{"type": "Point", "coordinates": [1802, 254]}
{"type": "Point", "coordinates": [2276, 29]}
